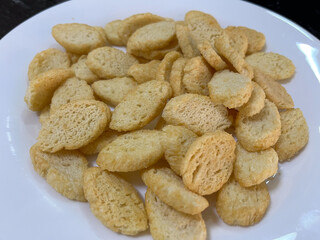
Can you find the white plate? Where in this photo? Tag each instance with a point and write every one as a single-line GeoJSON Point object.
{"type": "Point", "coordinates": [31, 209]}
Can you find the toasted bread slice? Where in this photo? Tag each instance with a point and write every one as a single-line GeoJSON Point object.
{"type": "Point", "coordinates": [241, 206]}
{"type": "Point", "coordinates": [73, 89]}
{"type": "Point", "coordinates": [97, 145]}
{"type": "Point", "coordinates": [157, 54]}
{"type": "Point", "coordinates": [63, 170]}
{"type": "Point", "coordinates": [256, 40]}
{"type": "Point", "coordinates": [108, 62]}
{"type": "Point", "coordinates": [132, 151]}
{"type": "Point", "coordinates": [77, 38]}
{"type": "Point", "coordinates": [115, 202]}
{"type": "Point", "coordinates": [274, 91]}
{"type": "Point", "coordinates": [140, 106]}
{"type": "Point", "coordinates": [176, 76]}
{"type": "Point", "coordinates": [74, 125]}
{"type": "Point", "coordinates": [177, 142]}
{"type": "Point", "coordinates": [208, 162]}
{"type": "Point", "coordinates": [167, 223]}
{"type": "Point", "coordinates": [41, 89]}
{"type": "Point", "coordinates": [255, 102]}
{"type": "Point", "coordinates": [112, 91]}
{"type": "Point", "coordinates": [230, 89]}
{"type": "Point", "coordinates": [211, 56]}
{"type": "Point", "coordinates": [275, 65]}
{"type": "Point", "coordinates": [170, 189]}
{"type": "Point", "coordinates": [164, 69]}
{"type": "Point", "coordinates": [202, 26]}
{"type": "Point", "coordinates": [112, 34]}
{"type": "Point", "coordinates": [197, 74]}
{"type": "Point", "coordinates": [197, 113]}
{"type": "Point", "coordinates": [238, 40]}
{"type": "Point", "coordinates": [134, 22]}
{"type": "Point", "coordinates": [153, 36]}
{"type": "Point", "coordinates": [46, 60]}
{"type": "Point", "coordinates": [82, 71]}
{"type": "Point", "coordinates": [294, 134]}
{"type": "Point", "coordinates": [252, 168]}
{"type": "Point", "coordinates": [143, 72]}
{"type": "Point", "coordinates": [186, 42]}
{"type": "Point", "coordinates": [223, 46]}
{"type": "Point", "coordinates": [260, 131]}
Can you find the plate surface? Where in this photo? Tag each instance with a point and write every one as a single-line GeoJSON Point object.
{"type": "Point", "coordinates": [31, 209]}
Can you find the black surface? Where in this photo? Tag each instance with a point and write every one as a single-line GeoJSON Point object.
{"type": "Point", "coordinates": [14, 12]}
{"type": "Point", "coordinates": [304, 13]}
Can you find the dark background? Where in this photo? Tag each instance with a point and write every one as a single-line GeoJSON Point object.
{"type": "Point", "coordinates": [305, 13]}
